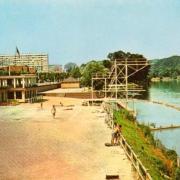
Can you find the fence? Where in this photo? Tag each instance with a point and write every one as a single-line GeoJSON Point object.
{"type": "Point", "coordinates": [141, 170]}
{"type": "Point", "coordinates": [35, 99]}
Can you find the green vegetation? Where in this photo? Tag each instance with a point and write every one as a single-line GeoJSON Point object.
{"type": "Point", "coordinates": [51, 77]}
{"type": "Point", "coordinates": [167, 67]}
{"type": "Point", "coordinates": [177, 175]}
{"type": "Point", "coordinates": [13, 102]}
{"type": "Point", "coordinates": [85, 71]}
{"type": "Point", "coordinates": [91, 68]}
{"type": "Point", "coordinates": [152, 154]}
{"type": "Point", "coordinates": [3, 73]}
{"type": "Point", "coordinates": [141, 76]}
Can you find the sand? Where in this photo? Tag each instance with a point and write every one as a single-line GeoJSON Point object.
{"type": "Point", "coordinates": [33, 145]}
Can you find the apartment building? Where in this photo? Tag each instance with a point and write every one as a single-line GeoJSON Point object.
{"type": "Point", "coordinates": [21, 88]}
{"type": "Point", "coordinates": [37, 61]}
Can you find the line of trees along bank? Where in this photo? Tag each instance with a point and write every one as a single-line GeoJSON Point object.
{"type": "Point", "coordinates": [166, 67]}
{"type": "Point", "coordinates": [85, 71]}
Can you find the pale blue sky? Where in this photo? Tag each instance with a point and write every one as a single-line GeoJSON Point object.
{"type": "Point", "coordinates": [81, 30]}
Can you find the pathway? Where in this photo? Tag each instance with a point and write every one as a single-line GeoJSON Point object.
{"type": "Point", "coordinates": [68, 147]}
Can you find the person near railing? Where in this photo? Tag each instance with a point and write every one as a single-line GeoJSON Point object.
{"type": "Point", "coordinates": [116, 134]}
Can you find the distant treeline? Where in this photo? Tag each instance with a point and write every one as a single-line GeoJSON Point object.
{"type": "Point", "coordinates": [85, 71]}
{"type": "Point", "coordinates": [166, 67]}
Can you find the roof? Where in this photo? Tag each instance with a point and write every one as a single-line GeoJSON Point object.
{"type": "Point", "coordinates": [70, 80]}
{"type": "Point", "coordinates": [18, 76]}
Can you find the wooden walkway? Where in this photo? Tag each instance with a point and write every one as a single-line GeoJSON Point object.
{"type": "Point", "coordinates": [165, 127]}
{"type": "Point", "coordinates": [162, 103]}
{"type": "Point", "coordinates": [167, 105]}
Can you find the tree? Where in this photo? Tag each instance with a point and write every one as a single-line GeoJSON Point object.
{"type": "Point", "coordinates": [75, 72]}
{"type": "Point", "coordinates": [166, 67]}
{"type": "Point", "coordinates": [116, 55]}
{"type": "Point", "coordinates": [90, 69]}
{"type": "Point", "coordinates": [177, 174]}
{"type": "Point", "coordinates": [69, 66]}
{"type": "Point", "coordinates": [140, 76]}
{"type": "Point", "coordinates": [107, 63]}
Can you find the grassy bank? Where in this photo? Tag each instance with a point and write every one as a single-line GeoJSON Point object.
{"type": "Point", "coordinates": [156, 158]}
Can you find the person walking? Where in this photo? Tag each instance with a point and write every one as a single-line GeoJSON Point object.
{"type": "Point", "coordinates": [41, 105]}
{"type": "Point", "coordinates": [53, 111]}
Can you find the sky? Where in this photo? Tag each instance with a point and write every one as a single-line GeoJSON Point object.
{"type": "Point", "coordinates": [82, 30]}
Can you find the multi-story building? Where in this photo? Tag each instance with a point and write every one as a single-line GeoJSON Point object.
{"type": "Point", "coordinates": [38, 61]}
{"type": "Point", "coordinates": [17, 86]}
{"type": "Point", "coordinates": [21, 88]}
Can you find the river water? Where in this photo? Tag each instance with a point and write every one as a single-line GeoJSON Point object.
{"type": "Point", "coordinates": [160, 115]}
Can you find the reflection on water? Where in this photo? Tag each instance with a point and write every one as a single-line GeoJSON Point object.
{"type": "Point", "coordinates": [170, 138]}
{"type": "Point", "coordinates": [148, 112]}
{"type": "Point", "coordinates": [168, 92]}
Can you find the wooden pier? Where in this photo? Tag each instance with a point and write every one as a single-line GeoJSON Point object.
{"type": "Point", "coordinates": [167, 105]}
{"type": "Point", "coordinates": [162, 103]}
{"type": "Point", "coordinates": [165, 127]}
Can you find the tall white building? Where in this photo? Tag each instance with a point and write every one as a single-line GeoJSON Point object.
{"type": "Point", "coordinates": [38, 61]}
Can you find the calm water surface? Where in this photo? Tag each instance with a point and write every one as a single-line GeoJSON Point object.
{"type": "Point", "coordinates": [148, 112]}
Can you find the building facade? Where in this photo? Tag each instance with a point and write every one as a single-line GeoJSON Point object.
{"type": "Point", "coordinates": [37, 61]}
{"type": "Point", "coordinates": [21, 88]}
{"type": "Point", "coordinates": [70, 83]}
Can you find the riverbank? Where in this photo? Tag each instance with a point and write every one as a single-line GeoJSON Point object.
{"type": "Point", "coordinates": [33, 145]}
{"type": "Point", "coordinates": [159, 161]}
{"type": "Point", "coordinates": [164, 79]}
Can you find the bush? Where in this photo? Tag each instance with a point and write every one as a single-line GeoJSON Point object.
{"type": "Point", "coordinates": [172, 154]}
{"type": "Point", "coordinates": [177, 174]}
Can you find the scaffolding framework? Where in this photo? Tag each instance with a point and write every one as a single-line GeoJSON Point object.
{"type": "Point", "coordinates": [116, 84]}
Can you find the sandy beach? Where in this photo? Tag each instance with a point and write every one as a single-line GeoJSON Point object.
{"type": "Point", "coordinates": [33, 145]}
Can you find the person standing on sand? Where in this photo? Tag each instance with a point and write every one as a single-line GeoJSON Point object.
{"type": "Point", "coordinates": [53, 111]}
{"type": "Point", "coordinates": [41, 105]}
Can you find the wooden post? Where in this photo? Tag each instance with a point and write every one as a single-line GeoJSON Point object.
{"type": "Point", "coordinates": [178, 161]}
{"type": "Point", "coordinates": [116, 77]}
{"type": "Point", "coordinates": [126, 81]}
{"type": "Point", "coordinates": [105, 89]}
{"type": "Point", "coordinates": [92, 91]}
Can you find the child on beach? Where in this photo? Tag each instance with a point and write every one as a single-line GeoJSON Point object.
{"type": "Point", "coordinates": [53, 111]}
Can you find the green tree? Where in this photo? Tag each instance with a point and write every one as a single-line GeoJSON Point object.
{"type": "Point", "coordinates": [91, 68]}
{"type": "Point", "coordinates": [138, 77]}
{"type": "Point", "coordinates": [107, 63]}
{"type": "Point", "coordinates": [69, 66]}
{"type": "Point", "coordinates": [75, 72]}
{"type": "Point", "coordinates": [177, 174]}
{"type": "Point", "coordinates": [166, 67]}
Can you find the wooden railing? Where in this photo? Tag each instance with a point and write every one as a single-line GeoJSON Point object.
{"type": "Point", "coordinates": [140, 169]}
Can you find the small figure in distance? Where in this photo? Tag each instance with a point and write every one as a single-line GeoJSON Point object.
{"type": "Point", "coordinates": [61, 104]}
{"type": "Point", "coordinates": [41, 105]}
{"type": "Point", "coordinates": [53, 111]}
